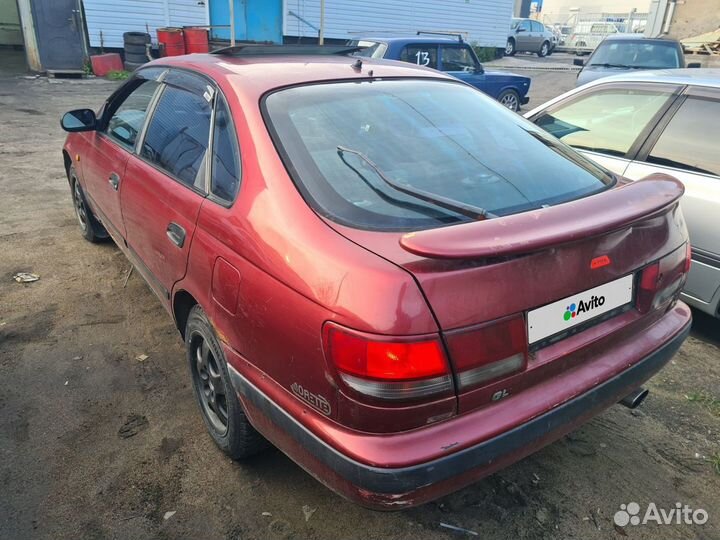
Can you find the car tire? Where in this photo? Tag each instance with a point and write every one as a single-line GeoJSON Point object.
{"type": "Point", "coordinates": [222, 412]}
{"type": "Point", "coordinates": [510, 47]}
{"type": "Point", "coordinates": [544, 49]}
{"type": "Point", "coordinates": [136, 38]}
{"type": "Point", "coordinates": [133, 58]}
{"type": "Point", "coordinates": [135, 49]}
{"type": "Point", "coordinates": [510, 98]}
{"type": "Point", "coordinates": [92, 230]}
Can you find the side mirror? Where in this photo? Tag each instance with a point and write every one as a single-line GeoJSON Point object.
{"type": "Point", "coordinates": [578, 62]}
{"type": "Point", "coordinates": [79, 120]}
{"type": "Point", "coordinates": [519, 29]}
{"type": "Point", "coordinates": [479, 68]}
{"type": "Point", "coordinates": [694, 65]}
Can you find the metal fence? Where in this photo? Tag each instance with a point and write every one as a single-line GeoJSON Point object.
{"type": "Point", "coordinates": [581, 31]}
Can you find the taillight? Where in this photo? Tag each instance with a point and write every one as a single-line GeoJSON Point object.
{"type": "Point", "coordinates": [662, 281]}
{"type": "Point", "coordinates": [486, 352]}
{"type": "Point", "coordinates": [392, 368]}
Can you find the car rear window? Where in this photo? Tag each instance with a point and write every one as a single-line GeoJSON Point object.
{"type": "Point", "coordinates": [636, 54]}
{"type": "Point", "coordinates": [359, 152]}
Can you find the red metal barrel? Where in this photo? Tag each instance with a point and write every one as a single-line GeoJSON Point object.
{"type": "Point", "coordinates": [196, 40]}
{"type": "Point", "coordinates": [171, 41]}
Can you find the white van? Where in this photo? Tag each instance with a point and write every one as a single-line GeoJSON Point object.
{"type": "Point", "coordinates": [588, 34]}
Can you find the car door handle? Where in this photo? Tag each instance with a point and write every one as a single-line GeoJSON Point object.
{"type": "Point", "coordinates": [176, 234]}
{"type": "Point", "coordinates": [114, 181]}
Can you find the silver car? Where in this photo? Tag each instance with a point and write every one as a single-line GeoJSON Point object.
{"type": "Point", "coordinates": [646, 122]}
{"type": "Point", "coordinates": [528, 35]}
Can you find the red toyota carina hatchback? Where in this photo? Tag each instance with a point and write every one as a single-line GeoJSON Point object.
{"type": "Point", "coordinates": [398, 282]}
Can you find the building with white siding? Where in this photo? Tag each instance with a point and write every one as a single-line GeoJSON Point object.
{"type": "Point", "coordinates": [107, 20]}
{"type": "Point", "coordinates": [483, 21]}
{"type": "Point", "coordinates": [486, 22]}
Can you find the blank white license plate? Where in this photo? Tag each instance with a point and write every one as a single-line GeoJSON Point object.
{"type": "Point", "coordinates": [584, 306]}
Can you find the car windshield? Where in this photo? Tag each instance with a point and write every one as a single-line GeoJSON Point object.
{"type": "Point", "coordinates": [636, 54]}
{"type": "Point", "coordinates": [414, 154]}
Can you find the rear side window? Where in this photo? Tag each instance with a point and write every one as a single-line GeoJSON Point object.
{"type": "Point", "coordinates": [225, 178]}
{"type": "Point", "coordinates": [128, 115]}
{"type": "Point", "coordinates": [178, 134]}
{"type": "Point", "coordinates": [422, 55]}
{"type": "Point", "coordinates": [608, 121]}
{"type": "Point", "coordinates": [357, 150]}
{"type": "Point", "coordinates": [537, 27]}
{"type": "Point", "coordinates": [687, 142]}
{"type": "Point", "coordinates": [457, 59]}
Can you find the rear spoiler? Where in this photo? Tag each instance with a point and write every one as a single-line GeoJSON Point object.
{"type": "Point", "coordinates": [549, 227]}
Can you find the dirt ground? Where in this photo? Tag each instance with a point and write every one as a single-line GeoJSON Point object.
{"type": "Point", "coordinates": [95, 443]}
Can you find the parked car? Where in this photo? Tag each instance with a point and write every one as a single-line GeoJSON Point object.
{"type": "Point", "coordinates": [556, 36]}
{"type": "Point", "coordinates": [589, 34]}
{"type": "Point", "coordinates": [648, 122]}
{"type": "Point", "coordinates": [350, 249]}
{"type": "Point", "coordinates": [528, 35]}
{"type": "Point", "coordinates": [452, 56]}
{"type": "Point", "coordinates": [625, 52]}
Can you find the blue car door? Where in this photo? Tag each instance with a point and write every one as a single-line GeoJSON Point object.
{"type": "Point", "coordinates": [460, 62]}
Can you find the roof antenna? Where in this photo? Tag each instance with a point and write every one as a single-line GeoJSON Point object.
{"type": "Point", "coordinates": [357, 64]}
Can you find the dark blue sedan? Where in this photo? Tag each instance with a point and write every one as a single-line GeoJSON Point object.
{"type": "Point", "coordinates": [452, 56]}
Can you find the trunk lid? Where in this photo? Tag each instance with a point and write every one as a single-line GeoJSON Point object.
{"type": "Point", "coordinates": [476, 274]}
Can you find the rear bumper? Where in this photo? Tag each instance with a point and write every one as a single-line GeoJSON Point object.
{"type": "Point", "coordinates": [400, 487]}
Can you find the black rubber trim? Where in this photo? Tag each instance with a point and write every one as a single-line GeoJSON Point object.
{"type": "Point", "coordinates": [401, 480]}
{"type": "Point", "coordinates": [705, 257]}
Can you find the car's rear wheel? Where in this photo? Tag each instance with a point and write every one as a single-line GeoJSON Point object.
{"type": "Point", "coordinates": [92, 230]}
{"type": "Point", "coordinates": [544, 49]}
{"type": "Point", "coordinates": [221, 410]}
{"type": "Point", "coordinates": [510, 47]}
{"type": "Point", "coordinates": [510, 99]}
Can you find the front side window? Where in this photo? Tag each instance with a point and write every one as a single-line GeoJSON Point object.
{"type": "Point", "coordinates": [128, 115]}
{"type": "Point", "coordinates": [178, 134]}
{"type": "Point", "coordinates": [422, 55]}
{"type": "Point", "coordinates": [525, 26]}
{"type": "Point", "coordinates": [636, 54]}
{"type": "Point", "coordinates": [537, 27]}
{"type": "Point", "coordinates": [225, 176]}
{"type": "Point", "coordinates": [360, 152]}
{"type": "Point", "coordinates": [457, 59]}
{"type": "Point", "coordinates": [687, 142]}
{"type": "Point", "coordinates": [607, 121]}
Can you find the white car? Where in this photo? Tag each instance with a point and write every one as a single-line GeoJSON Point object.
{"type": "Point", "coordinates": [646, 122]}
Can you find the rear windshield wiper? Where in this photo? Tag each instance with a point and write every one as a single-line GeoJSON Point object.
{"type": "Point", "coordinates": [624, 66]}
{"type": "Point", "coordinates": [467, 210]}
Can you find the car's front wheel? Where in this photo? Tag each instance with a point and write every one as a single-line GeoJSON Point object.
{"type": "Point", "coordinates": [544, 50]}
{"type": "Point", "coordinates": [510, 99]}
{"type": "Point", "coordinates": [221, 410]}
{"type": "Point", "coordinates": [510, 47]}
{"type": "Point", "coordinates": [92, 230]}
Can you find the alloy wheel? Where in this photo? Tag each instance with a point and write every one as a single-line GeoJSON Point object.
{"type": "Point", "coordinates": [79, 203]}
{"type": "Point", "coordinates": [208, 381]}
{"type": "Point", "coordinates": [510, 101]}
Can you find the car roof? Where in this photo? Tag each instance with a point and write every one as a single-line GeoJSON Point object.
{"type": "Point", "coordinates": [638, 37]}
{"type": "Point", "coordinates": [693, 76]}
{"type": "Point", "coordinates": [257, 74]}
{"type": "Point", "coordinates": [411, 39]}
{"type": "Point", "coordinates": [687, 76]}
